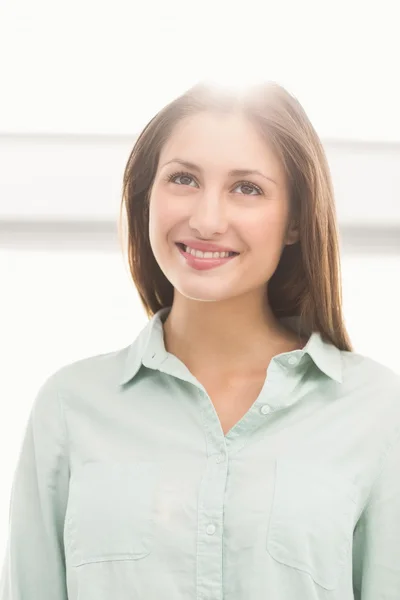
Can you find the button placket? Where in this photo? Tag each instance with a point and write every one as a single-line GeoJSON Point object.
{"type": "Point", "coordinates": [211, 507]}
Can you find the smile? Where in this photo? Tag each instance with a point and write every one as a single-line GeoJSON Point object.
{"type": "Point", "coordinates": [204, 260]}
{"type": "Point", "coordinates": [200, 254]}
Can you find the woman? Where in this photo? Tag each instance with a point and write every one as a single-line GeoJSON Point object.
{"type": "Point", "coordinates": [238, 449]}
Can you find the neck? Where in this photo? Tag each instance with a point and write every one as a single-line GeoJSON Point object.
{"type": "Point", "coordinates": [239, 333]}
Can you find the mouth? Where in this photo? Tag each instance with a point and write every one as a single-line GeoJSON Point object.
{"type": "Point", "coordinates": [201, 261]}
{"type": "Point", "coordinates": [205, 255]}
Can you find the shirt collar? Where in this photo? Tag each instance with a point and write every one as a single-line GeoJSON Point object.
{"type": "Point", "coordinates": [149, 349]}
{"type": "Point", "coordinates": [325, 355]}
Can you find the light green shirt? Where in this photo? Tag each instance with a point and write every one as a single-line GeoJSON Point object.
{"type": "Point", "coordinates": [126, 487]}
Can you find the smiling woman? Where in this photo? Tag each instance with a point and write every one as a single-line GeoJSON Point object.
{"type": "Point", "coordinates": [285, 206]}
{"type": "Point", "coordinates": [238, 448]}
{"type": "Point", "coordinates": [212, 205]}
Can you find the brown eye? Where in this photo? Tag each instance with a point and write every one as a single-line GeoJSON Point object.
{"type": "Point", "coordinates": [180, 175]}
{"type": "Point", "coordinates": [246, 185]}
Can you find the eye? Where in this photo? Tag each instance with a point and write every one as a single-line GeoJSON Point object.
{"type": "Point", "coordinates": [251, 187]}
{"type": "Point", "coordinates": [180, 174]}
{"type": "Point", "coordinates": [184, 176]}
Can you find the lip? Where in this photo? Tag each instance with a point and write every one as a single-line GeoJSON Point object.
{"type": "Point", "coordinates": [205, 246]}
{"type": "Point", "coordinates": [203, 264]}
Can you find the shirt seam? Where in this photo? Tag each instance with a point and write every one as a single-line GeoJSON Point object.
{"type": "Point", "coordinates": [65, 428]}
{"type": "Point", "coordinates": [384, 457]}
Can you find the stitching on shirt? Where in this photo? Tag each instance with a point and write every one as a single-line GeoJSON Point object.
{"type": "Point", "coordinates": [66, 433]}
{"type": "Point", "coordinates": [380, 470]}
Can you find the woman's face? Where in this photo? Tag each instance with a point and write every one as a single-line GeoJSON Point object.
{"type": "Point", "coordinates": [202, 208]}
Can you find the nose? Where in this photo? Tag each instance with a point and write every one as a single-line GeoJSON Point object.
{"type": "Point", "coordinates": [209, 216]}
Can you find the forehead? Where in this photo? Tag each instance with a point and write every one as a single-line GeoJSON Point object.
{"type": "Point", "coordinates": [216, 138]}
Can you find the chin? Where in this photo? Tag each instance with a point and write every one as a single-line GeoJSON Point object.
{"type": "Point", "coordinates": [205, 293]}
{"type": "Point", "coordinates": [200, 296]}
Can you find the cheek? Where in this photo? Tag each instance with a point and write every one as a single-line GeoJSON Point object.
{"type": "Point", "coordinates": [165, 213]}
{"type": "Point", "coordinates": [160, 216]}
{"type": "Point", "coordinates": [166, 216]}
{"type": "Point", "coordinates": [266, 230]}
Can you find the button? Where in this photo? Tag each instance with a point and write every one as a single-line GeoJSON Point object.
{"type": "Point", "coordinates": [220, 458]}
{"type": "Point", "coordinates": [265, 409]}
{"type": "Point", "coordinates": [292, 360]}
{"type": "Point", "coordinates": [211, 529]}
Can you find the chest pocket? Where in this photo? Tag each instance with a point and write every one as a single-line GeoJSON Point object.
{"type": "Point", "coordinates": [110, 512]}
{"type": "Point", "coordinates": [312, 519]}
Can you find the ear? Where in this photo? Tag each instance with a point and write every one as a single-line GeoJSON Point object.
{"type": "Point", "coordinates": [292, 234]}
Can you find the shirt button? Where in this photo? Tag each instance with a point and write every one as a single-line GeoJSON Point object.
{"type": "Point", "coordinates": [220, 458]}
{"type": "Point", "coordinates": [211, 529]}
{"type": "Point", "coordinates": [292, 360]}
{"type": "Point", "coordinates": [265, 409]}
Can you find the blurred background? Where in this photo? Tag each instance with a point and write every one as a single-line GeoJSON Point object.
{"type": "Point", "coordinates": [79, 80]}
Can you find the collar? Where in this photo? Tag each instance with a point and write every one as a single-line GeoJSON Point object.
{"type": "Point", "coordinates": [324, 354]}
{"type": "Point", "coordinates": [149, 349]}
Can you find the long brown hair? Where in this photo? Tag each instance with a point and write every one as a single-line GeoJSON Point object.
{"type": "Point", "coordinates": [307, 281]}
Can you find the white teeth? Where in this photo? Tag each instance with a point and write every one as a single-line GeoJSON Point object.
{"type": "Point", "coordinates": [200, 254]}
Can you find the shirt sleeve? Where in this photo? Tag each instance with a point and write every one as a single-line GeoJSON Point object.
{"type": "Point", "coordinates": [376, 548]}
{"type": "Point", "coordinates": [34, 564]}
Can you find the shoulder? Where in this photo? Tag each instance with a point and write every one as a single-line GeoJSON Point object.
{"type": "Point", "coordinates": [86, 375]}
{"type": "Point", "coordinates": [376, 384]}
{"type": "Point", "coordinates": [368, 368]}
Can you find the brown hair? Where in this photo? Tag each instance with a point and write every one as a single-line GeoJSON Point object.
{"type": "Point", "coordinates": [307, 280]}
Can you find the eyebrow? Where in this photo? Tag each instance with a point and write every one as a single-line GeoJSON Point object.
{"type": "Point", "coordinates": [234, 172]}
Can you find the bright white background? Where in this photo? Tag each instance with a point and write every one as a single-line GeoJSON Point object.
{"type": "Point", "coordinates": [78, 81]}
{"type": "Point", "coordinates": [102, 66]}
